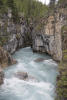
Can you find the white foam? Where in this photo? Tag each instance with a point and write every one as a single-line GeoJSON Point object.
{"type": "Point", "coordinates": [46, 95]}
{"type": "Point", "coordinates": [13, 82]}
{"type": "Point", "coordinates": [50, 62]}
{"type": "Point", "coordinates": [13, 86]}
{"type": "Point", "coordinates": [32, 63]}
{"type": "Point", "coordinates": [42, 85]}
{"type": "Point", "coordinates": [20, 66]}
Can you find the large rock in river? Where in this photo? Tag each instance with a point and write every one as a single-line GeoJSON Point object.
{"type": "Point", "coordinates": [24, 76]}
{"type": "Point", "coordinates": [39, 60]}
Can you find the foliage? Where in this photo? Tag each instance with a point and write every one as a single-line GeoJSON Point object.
{"type": "Point", "coordinates": [31, 8]}
{"type": "Point", "coordinates": [63, 3]}
{"type": "Point", "coordinates": [62, 82]}
{"type": "Point", "coordinates": [11, 4]}
{"type": "Point", "coordinates": [52, 3]}
{"type": "Point", "coordinates": [1, 3]}
{"type": "Point", "coordinates": [64, 28]}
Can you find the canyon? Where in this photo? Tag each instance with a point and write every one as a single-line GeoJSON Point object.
{"type": "Point", "coordinates": [46, 35]}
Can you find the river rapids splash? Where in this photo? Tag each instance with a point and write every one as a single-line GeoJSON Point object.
{"type": "Point", "coordinates": [44, 73]}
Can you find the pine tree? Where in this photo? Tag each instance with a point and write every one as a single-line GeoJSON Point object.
{"type": "Point", "coordinates": [52, 3]}
{"type": "Point", "coordinates": [62, 3]}
{"type": "Point", "coordinates": [1, 3]}
{"type": "Point", "coordinates": [11, 4]}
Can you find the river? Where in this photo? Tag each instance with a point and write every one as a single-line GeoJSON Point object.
{"type": "Point", "coordinates": [44, 73]}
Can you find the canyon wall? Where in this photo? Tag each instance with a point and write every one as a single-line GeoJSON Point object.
{"type": "Point", "coordinates": [45, 36]}
{"type": "Point", "coordinates": [48, 39]}
{"type": "Point", "coordinates": [14, 35]}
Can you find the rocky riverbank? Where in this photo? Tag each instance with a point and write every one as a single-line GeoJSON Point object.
{"type": "Point", "coordinates": [5, 61]}
{"type": "Point", "coordinates": [5, 58]}
{"type": "Point", "coordinates": [1, 76]}
{"type": "Point", "coordinates": [62, 79]}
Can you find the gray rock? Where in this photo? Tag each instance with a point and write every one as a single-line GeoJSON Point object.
{"type": "Point", "coordinates": [11, 45]}
{"type": "Point", "coordinates": [39, 60]}
{"type": "Point", "coordinates": [5, 58]}
{"type": "Point", "coordinates": [24, 76]}
{"type": "Point", "coordinates": [1, 76]}
{"type": "Point", "coordinates": [48, 39]}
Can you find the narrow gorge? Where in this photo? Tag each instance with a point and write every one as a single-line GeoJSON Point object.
{"type": "Point", "coordinates": [33, 50]}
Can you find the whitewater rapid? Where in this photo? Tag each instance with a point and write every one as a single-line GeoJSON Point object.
{"type": "Point", "coordinates": [44, 73]}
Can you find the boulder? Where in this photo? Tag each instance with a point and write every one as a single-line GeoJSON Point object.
{"type": "Point", "coordinates": [24, 76]}
{"type": "Point", "coordinates": [21, 75]}
{"type": "Point", "coordinates": [39, 59]}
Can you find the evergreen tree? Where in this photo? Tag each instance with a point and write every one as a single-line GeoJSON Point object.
{"type": "Point", "coordinates": [52, 3]}
{"type": "Point", "coordinates": [1, 3]}
{"type": "Point", "coordinates": [62, 3]}
{"type": "Point", "coordinates": [11, 4]}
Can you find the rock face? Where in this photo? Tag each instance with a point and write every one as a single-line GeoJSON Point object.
{"type": "Point", "coordinates": [48, 39]}
{"type": "Point", "coordinates": [14, 34]}
{"type": "Point", "coordinates": [1, 76]}
{"type": "Point", "coordinates": [45, 37]}
{"type": "Point", "coordinates": [16, 39]}
{"type": "Point", "coordinates": [5, 58]}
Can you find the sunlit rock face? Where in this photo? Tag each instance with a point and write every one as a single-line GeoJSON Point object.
{"type": "Point", "coordinates": [1, 76]}
{"type": "Point", "coordinates": [48, 39]}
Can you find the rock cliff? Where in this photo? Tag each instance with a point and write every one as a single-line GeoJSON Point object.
{"type": "Point", "coordinates": [13, 35]}
{"type": "Point", "coordinates": [48, 39]}
{"type": "Point", "coordinates": [45, 36]}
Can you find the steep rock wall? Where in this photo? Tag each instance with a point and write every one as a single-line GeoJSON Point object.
{"type": "Point", "coordinates": [14, 35]}
{"type": "Point", "coordinates": [48, 39]}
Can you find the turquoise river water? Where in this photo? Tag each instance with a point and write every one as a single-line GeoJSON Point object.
{"type": "Point", "coordinates": [44, 73]}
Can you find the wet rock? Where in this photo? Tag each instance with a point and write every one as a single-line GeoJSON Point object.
{"type": "Point", "coordinates": [39, 59]}
{"type": "Point", "coordinates": [24, 76]}
{"type": "Point", "coordinates": [1, 76]}
{"type": "Point", "coordinates": [5, 58]}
